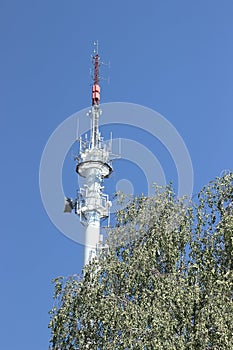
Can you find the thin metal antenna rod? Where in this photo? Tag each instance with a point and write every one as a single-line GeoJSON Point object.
{"type": "Point", "coordinates": [96, 66]}
{"type": "Point", "coordinates": [95, 100]}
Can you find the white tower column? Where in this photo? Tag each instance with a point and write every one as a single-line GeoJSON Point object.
{"type": "Point", "coordinates": [94, 165]}
{"type": "Point", "coordinates": [92, 237]}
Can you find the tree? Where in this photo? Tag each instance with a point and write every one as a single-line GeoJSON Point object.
{"type": "Point", "coordinates": [165, 283]}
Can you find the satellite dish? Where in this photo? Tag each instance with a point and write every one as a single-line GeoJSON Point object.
{"type": "Point", "coordinates": [68, 207]}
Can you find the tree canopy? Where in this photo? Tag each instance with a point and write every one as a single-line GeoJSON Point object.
{"type": "Point", "coordinates": [166, 281]}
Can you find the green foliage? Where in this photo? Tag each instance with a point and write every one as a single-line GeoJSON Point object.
{"type": "Point", "coordinates": [166, 282]}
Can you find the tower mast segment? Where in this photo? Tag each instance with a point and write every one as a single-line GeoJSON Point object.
{"type": "Point", "coordinates": [94, 164]}
{"type": "Point", "coordinates": [95, 100]}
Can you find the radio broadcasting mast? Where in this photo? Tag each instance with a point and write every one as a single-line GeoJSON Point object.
{"type": "Point", "coordinates": [94, 164]}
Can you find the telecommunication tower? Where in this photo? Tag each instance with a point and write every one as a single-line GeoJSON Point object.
{"type": "Point", "coordinates": [94, 165]}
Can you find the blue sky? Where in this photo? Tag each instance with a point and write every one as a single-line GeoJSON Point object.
{"type": "Point", "coordinates": [173, 56]}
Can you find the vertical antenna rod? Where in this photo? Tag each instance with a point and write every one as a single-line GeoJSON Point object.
{"type": "Point", "coordinates": [95, 99]}
{"type": "Point", "coordinates": [96, 64]}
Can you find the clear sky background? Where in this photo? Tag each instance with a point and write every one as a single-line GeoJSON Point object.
{"type": "Point", "coordinates": [174, 56]}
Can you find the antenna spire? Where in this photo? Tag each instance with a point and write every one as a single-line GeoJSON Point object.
{"type": "Point", "coordinates": [96, 87]}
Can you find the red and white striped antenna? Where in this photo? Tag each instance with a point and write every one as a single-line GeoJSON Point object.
{"type": "Point", "coordinates": [96, 87]}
